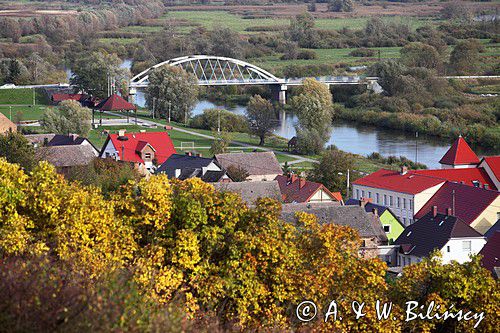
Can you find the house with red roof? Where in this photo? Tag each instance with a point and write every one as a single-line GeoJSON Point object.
{"type": "Point", "coordinates": [145, 149]}
{"type": "Point", "coordinates": [491, 255]}
{"type": "Point", "coordinates": [491, 165]}
{"type": "Point", "coordinates": [477, 207]}
{"type": "Point", "coordinates": [404, 192]}
{"type": "Point", "coordinates": [454, 238]}
{"type": "Point", "coordinates": [295, 189]}
{"type": "Point", "coordinates": [460, 155]}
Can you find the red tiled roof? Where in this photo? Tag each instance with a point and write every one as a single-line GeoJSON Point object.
{"type": "Point", "coordinates": [465, 175]}
{"type": "Point", "coordinates": [65, 97]}
{"type": "Point", "coordinates": [115, 103]}
{"type": "Point", "coordinates": [491, 252]}
{"type": "Point", "coordinates": [392, 180]}
{"type": "Point", "coordinates": [295, 189]}
{"type": "Point", "coordinates": [337, 195]}
{"type": "Point", "coordinates": [470, 201]}
{"type": "Point", "coordinates": [459, 154]}
{"type": "Point", "coordinates": [494, 164]}
{"type": "Point", "coordinates": [160, 141]}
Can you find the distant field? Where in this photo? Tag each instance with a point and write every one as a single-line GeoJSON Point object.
{"type": "Point", "coordinates": [210, 19]}
{"type": "Point", "coordinates": [121, 41]}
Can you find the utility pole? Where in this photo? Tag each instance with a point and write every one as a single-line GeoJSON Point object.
{"type": "Point", "coordinates": [416, 147]}
{"type": "Point", "coordinates": [169, 110]}
{"type": "Point", "coordinates": [348, 186]}
{"type": "Point", "coordinates": [33, 96]}
{"type": "Point", "coordinates": [153, 115]}
{"type": "Point", "coordinates": [218, 121]}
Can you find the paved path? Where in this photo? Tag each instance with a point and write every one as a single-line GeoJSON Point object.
{"type": "Point", "coordinates": [142, 121]}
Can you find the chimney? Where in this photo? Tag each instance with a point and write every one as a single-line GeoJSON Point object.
{"type": "Point", "coordinates": [364, 201]}
{"type": "Point", "coordinates": [403, 171]}
{"type": "Point", "coordinates": [302, 182]}
{"type": "Point", "coordinates": [73, 136]}
{"type": "Point", "coordinates": [375, 211]}
{"type": "Point", "coordinates": [121, 132]}
{"type": "Point", "coordinates": [449, 211]}
{"type": "Point", "coordinates": [434, 211]}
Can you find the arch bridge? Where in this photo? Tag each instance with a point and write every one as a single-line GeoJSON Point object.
{"type": "Point", "coordinates": [223, 71]}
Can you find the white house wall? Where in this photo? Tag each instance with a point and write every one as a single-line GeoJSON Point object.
{"type": "Point", "coordinates": [457, 252]}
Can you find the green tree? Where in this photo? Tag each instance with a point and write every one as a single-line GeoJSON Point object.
{"type": "Point", "coordinates": [261, 116]}
{"type": "Point", "coordinates": [15, 148]}
{"type": "Point", "coordinates": [93, 71]}
{"type": "Point", "coordinates": [464, 58]}
{"type": "Point", "coordinates": [314, 108]}
{"type": "Point", "coordinates": [220, 143]}
{"type": "Point", "coordinates": [331, 170]}
{"type": "Point", "coordinates": [237, 173]}
{"type": "Point", "coordinates": [420, 55]}
{"type": "Point", "coordinates": [68, 117]}
{"type": "Point", "coordinates": [174, 89]}
{"type": "Point", "coordinates": [302, 30]}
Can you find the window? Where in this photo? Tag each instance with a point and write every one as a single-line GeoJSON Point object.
{"type": "Point", "coordinates": [404, 220]}
{"type": "Point", "coordinates": [399, 203]}
{"type": "Point", "coordinates": [466, 246]}
{"type": "Point", "coordinates": [387, 229]}
{"type": "Point", "coordinates": [410, 221]}
{"type": "Point", "coordinates": [357, 194]}
{"type": "Point", "coordinates": [385, 200]}
{"type": "Point", "coordinates": [448, 248]}
{"type": "Point", "coordinates": [362, 194]}
{"type": "Point", "coordinates": [378, 198]}
{"type": "Point", "coordinates": [369, 194]}
{"type": "Point", "coordinates": [404, 203]}
{"type": "Point", "coordinates": [390, 200]}
{"type": "Point", "coordinates": [147, 155]}
{"type": "Point", "coordinates": [411, 204]}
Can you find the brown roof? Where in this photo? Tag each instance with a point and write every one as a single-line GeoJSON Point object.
{"type": "Point", "coordinates": [251, 191]}
{"type": "Point", "coordinates": [355, 217]}
{"type": "Point", "coordinates": [6, 124]}
{"type": "Point", "coordinates": [296, 189]}
{"type": "Point", "coordinates": [67, 156]}
{"type": "Point", "coordinates": [257, 163]}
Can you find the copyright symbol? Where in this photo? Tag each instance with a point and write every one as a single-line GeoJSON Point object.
{"type": "Point", "coordinates": [306, 311]}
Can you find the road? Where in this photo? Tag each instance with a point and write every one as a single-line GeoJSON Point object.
{"type": "Point", "coordinates": [141, 121]}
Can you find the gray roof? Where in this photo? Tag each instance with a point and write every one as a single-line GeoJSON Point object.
{"type": "Point", "coordinates": [179, 161]}
{"type": "Point", "coordinates": [67, 156]}
{"type": "Point", "coordinates": [258, 163]}
{"type": "Point", "coordinates": [39, 139]}
{"type": "Point", "coordinates": [368, 225]}
{"type": "Point", "coordinates": [251, 191]}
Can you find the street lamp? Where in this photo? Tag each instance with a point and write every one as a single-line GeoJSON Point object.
{"type": "Point", "coordinates": [169, 107]}
{"type": "Point", "coordinates": [348, 186]}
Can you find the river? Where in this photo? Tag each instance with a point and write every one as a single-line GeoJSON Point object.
{"type": "Point", "coordinates": [357, 139]}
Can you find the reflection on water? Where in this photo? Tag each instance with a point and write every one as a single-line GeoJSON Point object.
{"type": "Point", "coordinates": [360, 139]}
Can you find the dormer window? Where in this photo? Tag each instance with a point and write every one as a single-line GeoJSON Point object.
{"type": "Point", "coordinates": [147, 156]}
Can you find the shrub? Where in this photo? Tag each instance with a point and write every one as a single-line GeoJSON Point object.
{"type": "Point", "coordinates": [229, 121]}
{"type": "Point", "coordinates": [362, 52]}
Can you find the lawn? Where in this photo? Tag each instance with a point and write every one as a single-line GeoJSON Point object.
{"type": "Point", "coordinates": [120, 41]}
{"type": "Point", "coordinates": [17, 113]}
{"type": "Point", "coordinates": [22, 97]}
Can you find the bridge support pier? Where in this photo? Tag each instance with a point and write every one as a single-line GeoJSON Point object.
{"type": "Point", "coordinates": [279, 93]}
{"type": "Point", "coordinates": [131, 95]}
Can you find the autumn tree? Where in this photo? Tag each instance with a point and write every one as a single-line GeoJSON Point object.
{"type": "Point", "coordinates": [340, 6]}
{"type": "Point", "coordinates": [464, 58]}
{"type": "Point", "coordinates": [172, 89]}
{"type": "Point", "coordinates": [420, 55]}
{"type": "Point", "coordinates": [237, 173]}
{"type": "Point", "coordinates": [68, 117]}
{"type": "Point", "coordinates": [467, 286]}
{"type": "Point", "coordinates": [261, 115]}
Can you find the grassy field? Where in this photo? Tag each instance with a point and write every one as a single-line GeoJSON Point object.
{"type": "Point", "coordinates": [22, 97]}
{"type": "Point", "coordinates": [210, 19]}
